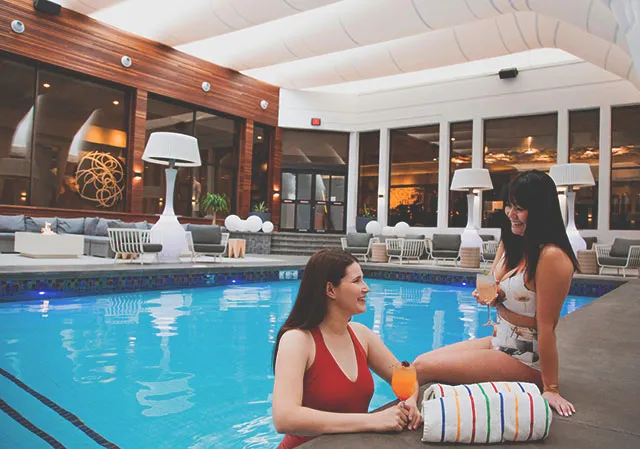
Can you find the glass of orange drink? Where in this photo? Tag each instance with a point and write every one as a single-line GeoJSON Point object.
{"type": "Point", "coordinates": [404, 381]}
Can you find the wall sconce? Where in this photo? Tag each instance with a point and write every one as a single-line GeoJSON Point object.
{"type": "Point", "coordinates": [23, 196]}
{"type": "Point", "coordinates": [276, 192]}
{"type": "Point", "coordinates": [137, 175]}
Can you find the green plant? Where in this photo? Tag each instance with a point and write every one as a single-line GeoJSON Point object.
{"type": "Point", "coordinates": [260, 207]}
{"type": "Point", "coordinates": [367, 212]}
{"type": "Point", "coordinates": [212, 203]}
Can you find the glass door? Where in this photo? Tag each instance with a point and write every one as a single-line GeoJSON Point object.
{"type": "Point", "coordinates": [329, 203]}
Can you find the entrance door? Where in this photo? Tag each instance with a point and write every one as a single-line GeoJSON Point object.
{"type": "Point", "coordinates": [312, 201]}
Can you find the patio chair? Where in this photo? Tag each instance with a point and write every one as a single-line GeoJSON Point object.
{"type": "Point", "coordinates": [206, 240]}
{"type": "Point", "coordinates": [408, 247]}
{"type": "Point", "coordinates": [133, 244]}
{"type": "Point", "coordinates": [489, 250]}
{"type": "Point", "coordinates": [623, 255]}
{"type": "Point", "coordinates": [445, 247]}
{"type": "Point", "coordinates": [358, 244]}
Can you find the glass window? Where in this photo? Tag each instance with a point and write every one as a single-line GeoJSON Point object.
{"type": "Point", "coordinates": [80, 144]}
{"type": "Point", "coordinates": [584, 147]}
{"type": "Point", "coordinates": [260, 165]}
{"type": "Point", "coordinates": [337, 188]}
{"type": "Point", "coordinates": [625, 168]}
{"type": "Point", "coordinates": [511, 146]}
{"type": "Point", "coordinates": [16, 128]}
{"type": "Point", "coordinates": [461, 137]}
{"type": "Point", "coordinates": [314, 147]}
{"type": "Point", "coordinates": [413, 193]}
{"type": "Point", "coordinates": [288, 186]}
{"type": "Point", "coordinates": [369, 163]}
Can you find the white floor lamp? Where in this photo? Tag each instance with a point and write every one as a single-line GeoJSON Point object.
{"type": "Point", "coordinates": [572, 176]}
{"type": "Point", "coordinates": [471, 180]}
{"type": "Point", "coordinates": [174, 150]}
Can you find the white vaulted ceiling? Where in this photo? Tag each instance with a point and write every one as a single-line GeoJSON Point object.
{"type": "Point", "coordinates": [360, 45]}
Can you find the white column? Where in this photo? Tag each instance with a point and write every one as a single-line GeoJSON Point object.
{"type": "Point", "coordinates": [383, 178]}
{"type": "Point", "coordinates": [477, 161]}
{"type": "Point", "coordinates": [353, 178]}
{"type": "Point", "coordinates": [444, 159]}
{"type": "Point", "coordinates": [604, 171]}
{"type": "Point", "coordinates": [563, 136]}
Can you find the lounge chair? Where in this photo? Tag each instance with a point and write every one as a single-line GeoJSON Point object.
{"type": "Point", "coordinates": [489, 250]}
{"type": "Point", "coordinates": [206, 240]}
{"type": "Point", "coordinates": [358, 244]}
{"type": "Point", "coordinates": [408, 247]}
{"type": "Point", "coordinates": [133, 244]}
{"type": "Point", "coordinates": [624, 254]}
{"type": "Point", "coordinates": [445, 247]}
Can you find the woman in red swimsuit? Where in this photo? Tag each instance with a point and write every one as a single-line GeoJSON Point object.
{"type": "Point", "coordinates": [322, 359]}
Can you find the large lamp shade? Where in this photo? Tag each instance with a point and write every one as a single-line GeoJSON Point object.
{"type": "Point", "coordinates": [163, 147]}
{"type": "Point", "coordinates": [470, 180]}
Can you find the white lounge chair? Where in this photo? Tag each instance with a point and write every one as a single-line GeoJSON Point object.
{"type": "Point", "coordinates": [133, 244]}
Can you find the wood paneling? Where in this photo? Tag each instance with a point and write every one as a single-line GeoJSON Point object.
{"type": "Point", "coordinates": [275, 170]}
{"type": "Point", "coordinates": [136, 149]}
{"type": "Point", "coordinates": [77, 42]}
{"type": "Point", "coordinates": [245, 170]}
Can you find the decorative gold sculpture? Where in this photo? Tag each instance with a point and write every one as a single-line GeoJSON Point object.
{"type": "Point", "coordinates": [100, 178]}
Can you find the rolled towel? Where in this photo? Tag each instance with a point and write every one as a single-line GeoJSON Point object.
{"type": "Point", "coordinates": [436, 391]}
{"type": "Point", "coordinates": [486, 418]}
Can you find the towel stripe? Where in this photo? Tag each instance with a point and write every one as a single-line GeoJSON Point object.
{"type": "Point", "coordinates": [546, 426]}
{"type": "Point", "coordinates": [501, 417]}
{"type": "Point", "coordinates": [473, 415]}
{"type": "Point", "coordinates": [441, 390]}
{"type": "Point", "coordinates": [532, 415]}
{"type": "Point", "coordinates": [494, 387]}
{"type": "Point", "coordinates": [515, 437]}
{"type": "Point", "coordinates": [458, 411]}
{"type": "Point", "coordinates": [486, 398]}
{"type": "Point", "coordinates": [521, 387]}
{"type": "Point", "coordinates": [508, 387]}
{"type": "Point", "coordinates": [443, 418]}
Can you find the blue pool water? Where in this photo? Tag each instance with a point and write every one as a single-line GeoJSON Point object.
{"type": "Point", "coordinates": [189, 368]}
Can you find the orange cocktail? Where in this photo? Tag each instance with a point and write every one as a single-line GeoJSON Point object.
{"type": "Point", "coordinates": [404, 380]}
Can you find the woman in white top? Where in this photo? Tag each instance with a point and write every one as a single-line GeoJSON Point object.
{"type": "Point", "coordinates": [534, 267]}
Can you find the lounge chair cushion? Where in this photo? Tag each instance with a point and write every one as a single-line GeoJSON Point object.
{"type": "Point", "coordinates": [444, 254]}
{"type": "Point", "coordinates": [446, 242]}
{"type": "Point", "coordinates": [591, 241]}
{"type": "Point", "coordinates": [121, 225]}
{"type": "Point", "coordinates": [358, 239]}
{"type": "Point", "coordinates": [414, 237]}
{"type": "Point", "coordinates": [205, 234]}
{"type": "Point", "coordinates": [35, 224]}
{"type": "Point", "coordinates": [12, 223]}
{"type": "Point", "coordinates": [70, 225]}
{"type": "Point", "coordinates": [620, 247]}
{"type": "Point", "coordinates": [208, 248]}
{"type": "Point", "coordinates": [393, 252]}
{"type": "Point", "coordinates": [152, 247]}
{"type": "Point", "coordinates": [103, 225]}
{"type": "Point", "coordinates": [613, 261]}
{"type": "Point", "coordinates": [7, 240]}
{"type": "Point", "coordinates": [487, 237]}
{"type": "Point", "coordinates": [356, 249]}
{"type": "Point", "coordinates": [90, 224]}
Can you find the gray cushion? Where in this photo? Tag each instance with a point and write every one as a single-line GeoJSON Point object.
{"type": "Point", "coordinates": [206, 234]}
{"type": "Point", "coordinates": [487, 237]}
{"type": "Point", "coordinates": [7, 242]}
{"type": "Point", "coordinates": [446, 242]}
{"type": "Point", "coordinates": [152, 247]}
{"type": "Point", "coordinates": [70, 225]}
{"type": "Point", "coordinates": [208, 248]}
{"type": "Point", "coordinates": [103, 225]}
{"type": "Point", "coordinates": [358, 239]}
{"type": "Point", "coordinates": [620, 247]}
{"type": "Point", "coordinates": [393, 252]}
{"type": "Point", "coordinates": [142, 225]}
{"type": "Point", "coordinates": [591, 241]}
{"type": "Point", "coordinates": [12, 223]}
{"type": "Point", "coordinates": [414, 237]}
{"type": "Point", "coordinates": [617, 261]}
{"type": "Point", "coordinates": [444, 254]}
{"type": "Point", "coordinates": [121, 225]}
{"type": "Point", "coordinates": [90, 224]}
{"type": "Point", "coordinates": [356, 249]}
{"type": "Point", "coordinates": [35, 224]}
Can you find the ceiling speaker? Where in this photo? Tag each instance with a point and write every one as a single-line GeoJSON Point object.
{"type": "Point", "coordinates": [47, 6]}
{"type": "Point", "coordinates": [508, 73]}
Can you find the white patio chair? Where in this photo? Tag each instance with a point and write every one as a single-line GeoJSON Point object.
{"type": "Point", "coordinates": [194, 250]}
{"type": "Point", "coordinates": [605, 260]}
{"type": "Point", "coordinates": [133, 243]}
{"type": "Point", "coordinates": [489, 250]}
{"type": "Point", "coordinates": [404, 248]}
{"type": "Point", "coordinates": [359, 251]}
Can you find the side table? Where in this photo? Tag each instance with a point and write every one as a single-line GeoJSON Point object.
{"type": "Point", "coordinates": [236, 248]}
{"type": "Point", "coordinates": [379, 252]}
{"type": "Point", "coordinates": [469, 257]}
{"type": "Point", "coordinates": [588, 262]}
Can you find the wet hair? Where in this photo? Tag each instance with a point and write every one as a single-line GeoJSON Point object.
{"type": "Point", "coordinates": [327, 265]}
{"type": "Point", "coordinates": [536, 192]}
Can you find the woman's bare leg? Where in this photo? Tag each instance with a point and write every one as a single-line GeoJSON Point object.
{"type": "Point", "coordinates": [460, 366]}
{"type": "Point", "coordinates": [477, 343]}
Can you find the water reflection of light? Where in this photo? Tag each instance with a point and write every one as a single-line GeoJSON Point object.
{"type": "Point", "coordinates": [165, 311]}
{"type": "Point", "coordinates": [245, 296]}
{"type": "Point", "coordinates": [166, 397]}
{"type": "Point", "coordinates": [438, 328]}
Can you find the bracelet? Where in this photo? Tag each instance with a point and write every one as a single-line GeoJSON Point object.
{"type": "Point", "coordinates": [552, 389]}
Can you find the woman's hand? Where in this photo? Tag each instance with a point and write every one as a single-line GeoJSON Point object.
{"type": "Point", "coordinates": [392, 419]}
{"type": "Point", "coordinates": [559, 404]}
{"type": "Point", "coordinates": [415, 417]}
{"type": "Point", "coordinates": [492, 303]}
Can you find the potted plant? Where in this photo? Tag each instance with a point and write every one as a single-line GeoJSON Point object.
{"type": "Point", "coordinates": [261, 210]}
{"type": "Point", "coordinates": [212, 203]}
{"type": "Point", "coordinates": [365, 216]}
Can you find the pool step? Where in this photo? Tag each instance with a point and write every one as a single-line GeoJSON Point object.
{"type": "Point", "coordinates": [302, 244]}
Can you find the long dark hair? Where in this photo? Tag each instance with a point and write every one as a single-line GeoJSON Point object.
{"type": "Point", "coordinates": [536, 192]}
{"type": "Point", "coordinates": [327, 265]}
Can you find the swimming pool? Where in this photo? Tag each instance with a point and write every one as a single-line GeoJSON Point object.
{"type": "Point", "coordinates": [186, 368]}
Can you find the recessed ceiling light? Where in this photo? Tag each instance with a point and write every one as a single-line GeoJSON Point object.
{"type": "Point", "coordinates": [46, 85]}
{"type": "Point", "coordinates": [116, 102]}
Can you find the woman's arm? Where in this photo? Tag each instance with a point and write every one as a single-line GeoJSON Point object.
{"type": "Point", "coordinates": [289, 416]}
{"type": "Point", "coordinates": [553, 280]}
{"type": "Point", "coordinates": [382, 361]}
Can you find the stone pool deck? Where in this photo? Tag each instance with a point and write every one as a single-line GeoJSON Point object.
{"type": "Point", "coordinates": [599, 347]}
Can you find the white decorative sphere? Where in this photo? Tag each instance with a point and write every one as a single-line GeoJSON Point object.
{"type": "Point", "coordinates": [243, 227]}
{"type": "Point", "coordinates": [267, 227]}
{"type": "Point", "coordinates": [232, 223]}
{"type": "Point", "coordinates": [402, 228]}
{"type": "Point", "coordinates": [254, 223]}
{"type": "Point", "coordinates": [388, 230]}
{"type": "Point", "coordinates": [373, 227]}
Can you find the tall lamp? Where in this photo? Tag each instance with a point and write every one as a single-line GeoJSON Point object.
{"type": "Point", "coordinates": [471, 180]}
{"type": "Point", "coordinates": [174, 150]}
{"type": "Point", "coordinates": [572, 176]}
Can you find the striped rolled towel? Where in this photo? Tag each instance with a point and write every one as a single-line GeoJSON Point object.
{"type": "Point", "coordinates": [436, 391]}
{"type": "Point", "coordinates": [486, 417]}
